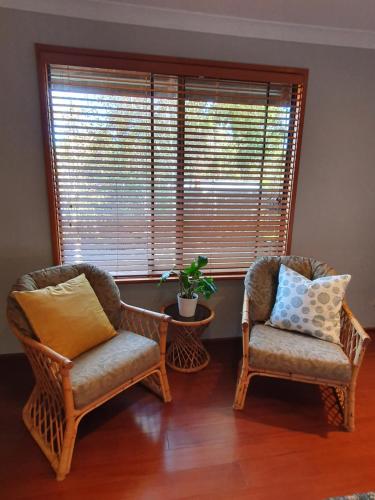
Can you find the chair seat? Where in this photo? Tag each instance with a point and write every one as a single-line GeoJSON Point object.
{"type": "Point", "coordinates": [276, 350]}
{"type": "Point", "coordinates": [108, 365]}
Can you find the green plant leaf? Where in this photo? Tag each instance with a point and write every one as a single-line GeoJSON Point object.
{"type": "Point", "coordinates": [206, 287]}
{"type": "Point", "coordinates": [191, 269]}
{"type": "Point", "coordinates": [191, 279]}
{"type": "Point", "coordinates": [202, 261]}
{"type": "Point", "coordinates": [184, 277]}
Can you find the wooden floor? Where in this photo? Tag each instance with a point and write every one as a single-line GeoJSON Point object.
{"type": "Point", "coordinates": [135, 447]}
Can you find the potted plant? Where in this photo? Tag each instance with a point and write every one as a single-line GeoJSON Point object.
{"type": "Point", "coordinates": [191, 283]}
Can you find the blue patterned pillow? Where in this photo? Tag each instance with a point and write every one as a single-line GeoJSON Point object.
{"type": "Point", "coordinates": [311, 307]}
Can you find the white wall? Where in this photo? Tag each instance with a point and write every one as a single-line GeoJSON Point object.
{"type": "Point", "coordinates": [335, 201]}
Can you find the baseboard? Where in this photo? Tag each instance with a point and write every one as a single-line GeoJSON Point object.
{"type": "Point", "coordinates": [13, 355]}
{"type": "Point", "coordinates": [222, 340]}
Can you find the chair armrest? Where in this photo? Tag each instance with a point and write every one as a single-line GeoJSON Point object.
{"type": "Point", "coordinates": [352, 336]}
{"type": "Point", "coordinates": [45, 351]}
{"type": "Point", "coordinates": [246, 326]}
{"type": "Point", "coordinates": [150, 324]}
{"type": "Point", "coordinates": [51, 371]}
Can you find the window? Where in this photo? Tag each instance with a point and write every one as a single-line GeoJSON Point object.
{"type": "Point", "coordinates": [152, 161]}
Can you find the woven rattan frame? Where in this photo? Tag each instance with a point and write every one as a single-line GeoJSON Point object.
{"type": "Point", "coordinates": [186, 352]}
{"type": "Point", "coordinates": [354, 341]}
{"type": "Point", "coordinates": [50, 414]}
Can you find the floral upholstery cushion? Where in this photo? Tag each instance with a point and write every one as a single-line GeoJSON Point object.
{"type": "Point", "coordinates": [261, 280]}
{"type": "Point", "coordinates": [107, 366]}
{"type": "Point", "coordinates": [311, 307]}
{"type": "Point", "coordinates": [281, 351]}
{"type": "Point", "coordinates": [102, 282]}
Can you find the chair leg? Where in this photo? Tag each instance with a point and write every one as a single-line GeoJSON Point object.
{"type": "Point", "coordinates": [242, 386]}
{"type": "Point", "coordinates": [157, 382]}
{"type": "Point", "coordinates": [165, 385]}
{"type": "Point", "coordinates": [67, 450]}
{"type": "Point", "coordinates": [349, 410]}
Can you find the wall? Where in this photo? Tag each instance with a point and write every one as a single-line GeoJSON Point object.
{"type": "Point", "coordinates": [335, 203]}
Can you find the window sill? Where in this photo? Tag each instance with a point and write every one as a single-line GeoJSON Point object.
{"type": "Point", "coordinates": [155, 279]}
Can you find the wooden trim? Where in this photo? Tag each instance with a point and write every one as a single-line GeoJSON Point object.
{"type": "Point", "coordinates": [48, 54]}
{"type": "Point", "coordinates": [42, 69]}
{"type": "Point", "coordinates": [12, 356]}
{"type": "Point", "coordinates": [296, 168]}
{"type": "Point", "coordinates": [220, 341]}
{"type": "Point", "coordinates": [155, 279]}
{"type": "Point", "coordinates": [172, 65]}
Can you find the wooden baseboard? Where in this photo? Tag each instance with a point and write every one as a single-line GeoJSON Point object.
{"type": "Point", "coordinates": [14, 355]}
{"type": "Point", "coordinates": [222, 340]}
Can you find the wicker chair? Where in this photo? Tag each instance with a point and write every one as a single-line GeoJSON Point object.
{"type": "Point", "coordinates": [264, 357]}
{"type": "Point", "coordinates": [66, 390]}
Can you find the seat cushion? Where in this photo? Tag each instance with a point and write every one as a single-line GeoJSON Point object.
{"type": "Point", "coordinates": [277, 350]}
{"type": "Point", "coordinates": [107, 366]}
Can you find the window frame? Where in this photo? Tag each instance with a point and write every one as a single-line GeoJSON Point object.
{"type": "Point", "coordinates": [50, 54]}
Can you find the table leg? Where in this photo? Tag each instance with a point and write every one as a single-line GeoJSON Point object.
{"type": "Point", "coordinates": [186, 352]}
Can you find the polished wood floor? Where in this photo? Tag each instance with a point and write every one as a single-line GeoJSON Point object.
{"type": "Point", "coordinates": [135, 447]}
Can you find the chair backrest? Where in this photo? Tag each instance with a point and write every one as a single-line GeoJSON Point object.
{"type": "Point", "coordinates": [261, 280]}
{"type": "Point", "coordinates": [102, 282]}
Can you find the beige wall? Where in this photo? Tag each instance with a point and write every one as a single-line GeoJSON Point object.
{"type": "Point", "coordinates": [335, 206]}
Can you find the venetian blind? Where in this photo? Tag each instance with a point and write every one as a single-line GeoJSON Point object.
{"type": "Point", "coordinates": [151, 170]}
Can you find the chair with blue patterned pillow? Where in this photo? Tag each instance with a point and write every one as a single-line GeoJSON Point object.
{"type": "Point", "coordinates": [280, 353]}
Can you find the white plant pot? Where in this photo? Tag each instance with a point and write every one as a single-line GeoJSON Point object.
{"type": "Point", "coordinates": [186, 307]}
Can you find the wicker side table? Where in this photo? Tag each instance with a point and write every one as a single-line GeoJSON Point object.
{"type": "Point", "coordinates": [186, 352]}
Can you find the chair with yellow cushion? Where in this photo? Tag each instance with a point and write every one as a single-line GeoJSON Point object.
{"type": "Point", "coordinates": [131, 350]}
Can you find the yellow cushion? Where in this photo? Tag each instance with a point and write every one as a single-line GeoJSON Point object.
{"type": "Point", "coordinates": [67, 317]}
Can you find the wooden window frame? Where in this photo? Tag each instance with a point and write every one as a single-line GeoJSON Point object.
{"type": "Point", "coordinates": [50, 54]}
